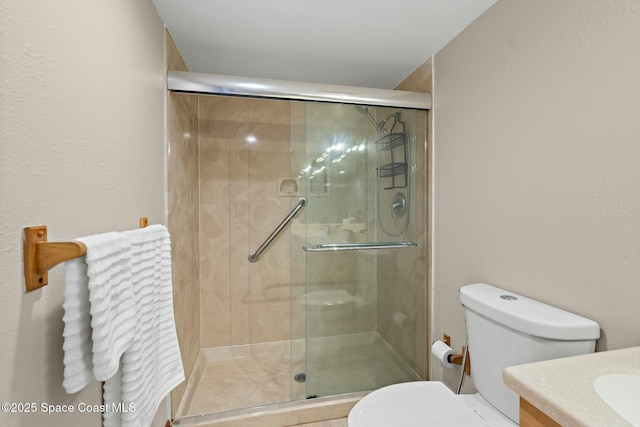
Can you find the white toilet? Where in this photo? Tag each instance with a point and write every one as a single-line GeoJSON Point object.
{"type": "Point", "coordinates": [504, 329]}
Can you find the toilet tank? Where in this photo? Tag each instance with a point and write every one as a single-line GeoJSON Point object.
{"type": "Point", "coordinates": [506, 329]}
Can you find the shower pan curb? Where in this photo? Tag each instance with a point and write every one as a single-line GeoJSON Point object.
{"type": "Point", "coordinates": [288, 413]}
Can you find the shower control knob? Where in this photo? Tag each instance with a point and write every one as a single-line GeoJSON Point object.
{"type": "Point", "coordinates": [399, 204]}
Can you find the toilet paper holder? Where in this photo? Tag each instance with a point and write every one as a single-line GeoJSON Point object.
{"type": "Point", "coordinates": [457, 359]}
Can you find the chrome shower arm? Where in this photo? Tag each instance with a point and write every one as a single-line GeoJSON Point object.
{"type": "Point", "coordinates": [363, 109]}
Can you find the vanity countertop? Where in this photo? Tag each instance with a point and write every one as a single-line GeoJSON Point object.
{"type": "Point", "coordinates": [563, 388]}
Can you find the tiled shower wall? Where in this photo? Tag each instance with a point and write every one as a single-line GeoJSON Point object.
{"type": "Point", "coordinates": [421, 80]}
{"type": "Point", "coordinates": [183, 221]}
{"type": "Point", "coordinates": [402, 274]}
{"type": "Point", "coordinates": [244, 147]}
{"type": "Point", "coordinates": [183, 224]}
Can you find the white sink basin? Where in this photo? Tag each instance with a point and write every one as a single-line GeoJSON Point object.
{"type": "Point", "coordinates": [622, 393]}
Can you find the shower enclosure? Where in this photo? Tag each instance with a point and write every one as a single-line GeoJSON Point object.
{"type": "Point", "coordinates": [307, 222]}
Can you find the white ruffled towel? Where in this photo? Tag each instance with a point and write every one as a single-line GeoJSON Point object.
{"type": "Point", "coordinates": [150, 365]}
{"type": "Point", "coordinates": [99, 313]}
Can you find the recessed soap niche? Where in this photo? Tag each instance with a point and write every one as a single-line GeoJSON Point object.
{"type": "Point", "coordinates": [288, 186]}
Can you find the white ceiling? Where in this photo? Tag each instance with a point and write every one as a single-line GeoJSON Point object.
{"type": "Point", "coordinates": [370, 43]}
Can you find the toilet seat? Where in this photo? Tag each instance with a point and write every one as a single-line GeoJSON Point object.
{"type": "Point", "coordinates": [424, 403]}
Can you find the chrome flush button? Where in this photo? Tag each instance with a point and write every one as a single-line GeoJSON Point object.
{"type": "Point", "coordinates": [508, 297]}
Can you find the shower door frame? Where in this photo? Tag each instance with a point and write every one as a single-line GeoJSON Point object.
{"type": "Point", "coordinates": [207, 84]}
{"type": "Point", "coordinates": [217, 84]}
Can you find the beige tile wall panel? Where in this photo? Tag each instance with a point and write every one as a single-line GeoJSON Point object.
{"type": "Point", "coordinates": [183, 224]}
{"type": "Point", "coordinates": [243, 302]}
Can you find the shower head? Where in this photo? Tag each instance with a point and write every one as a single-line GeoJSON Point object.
{"type": "Point", "coordinates": [363, 109]}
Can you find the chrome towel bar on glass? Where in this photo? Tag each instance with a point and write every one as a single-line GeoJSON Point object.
{"type": "Point", "coordinates": [358, 246]}
{"type": "Point", "coordinates": [256, 255]}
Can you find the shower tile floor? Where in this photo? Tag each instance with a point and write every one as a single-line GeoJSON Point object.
{"type": "Point", "coordinates": [234, 378]}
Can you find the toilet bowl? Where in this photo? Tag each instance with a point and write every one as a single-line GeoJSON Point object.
{"type": "Point", "coordinates": [424, 403]}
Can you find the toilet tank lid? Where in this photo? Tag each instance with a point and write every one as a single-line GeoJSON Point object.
{"type": "Point", "coordinates": [526, 315]}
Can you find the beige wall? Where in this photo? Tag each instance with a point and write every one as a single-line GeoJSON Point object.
{"type": "Point", "coordinates": [420, 80]}
{"type": "Point", "coordinates": [81, 143]}
{"type": "Point", "coordinates": [537, 162]}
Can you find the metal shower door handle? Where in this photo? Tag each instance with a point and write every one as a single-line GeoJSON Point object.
{"type": "Point", "coordinates": [358, 246]}
{"type": "Point", "coordinates": [256, 255]}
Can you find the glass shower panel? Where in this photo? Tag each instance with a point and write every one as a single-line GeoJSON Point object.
{"type": "Point", "coordinates": [345, 173]}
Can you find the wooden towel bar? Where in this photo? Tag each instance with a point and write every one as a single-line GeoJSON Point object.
{"type": "Point", "coordinates": [41, 256]}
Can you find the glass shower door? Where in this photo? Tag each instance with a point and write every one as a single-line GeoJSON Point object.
{"type": "Point", "coordinates": [357, 184]}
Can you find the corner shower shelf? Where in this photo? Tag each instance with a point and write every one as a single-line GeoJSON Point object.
{"type": "Point", "coordinates": [395, 144]}
{"type": "Point", "coordinates": [392, 169]}
{"type": "Point", "coordinates": [391, 141]}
